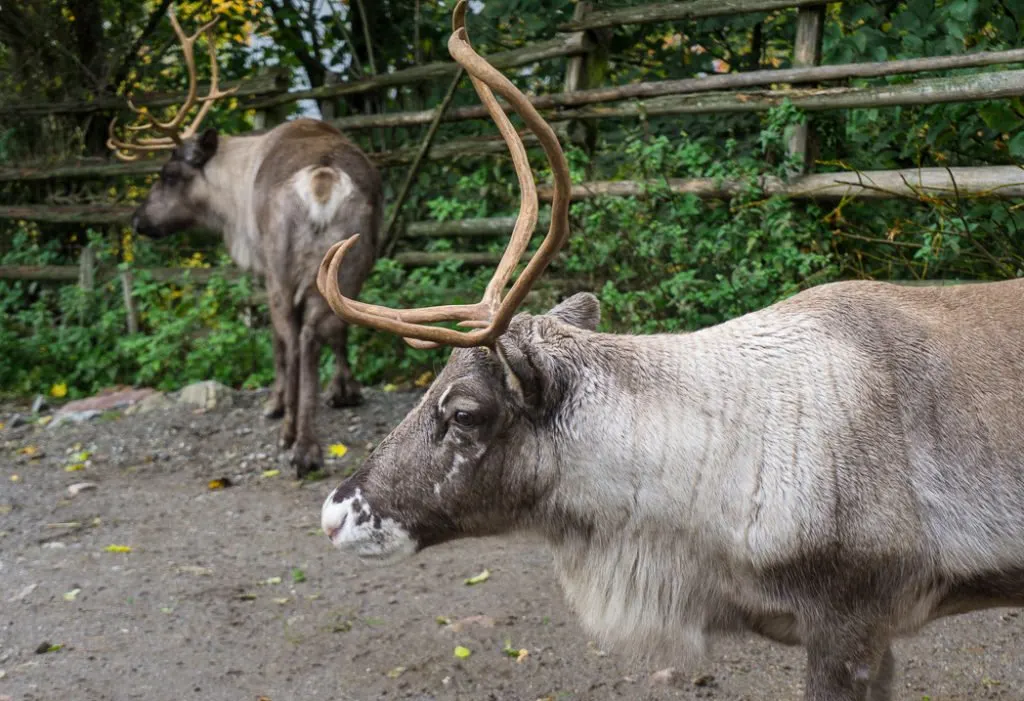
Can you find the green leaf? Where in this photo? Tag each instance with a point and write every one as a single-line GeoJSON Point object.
{"type": "Point", "coordinates": [1017, 146]}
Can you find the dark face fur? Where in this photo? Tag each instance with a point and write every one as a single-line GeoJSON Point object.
{"type": "Point", "coordinates": [176, 200]}
{"type": "Point", "coordinates": [468, 460]}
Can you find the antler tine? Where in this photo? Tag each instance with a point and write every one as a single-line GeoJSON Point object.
{"type": "Point", "coordinates": [410, 323]}
{"type": "Point", "coordinates": [215, 92]}
{"type": "Point", "coordinates": [170, 129]}
{"type": "Point", "coordinates": [128, 151]}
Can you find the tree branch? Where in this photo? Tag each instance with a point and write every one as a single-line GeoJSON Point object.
{"type": "Point", "coordinates": [132, 55]}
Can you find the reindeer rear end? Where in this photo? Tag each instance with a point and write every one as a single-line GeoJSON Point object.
{"type": "Point", "coordinates": [281, 199]}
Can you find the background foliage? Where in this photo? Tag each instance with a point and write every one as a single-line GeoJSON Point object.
{"type": "Point", "coordinates": [659, 262]}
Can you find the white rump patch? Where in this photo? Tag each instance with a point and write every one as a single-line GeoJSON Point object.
{"type": "Point", "coordinates": [351, 525]}
{"type": "Point", "coordinates": [324, 206]}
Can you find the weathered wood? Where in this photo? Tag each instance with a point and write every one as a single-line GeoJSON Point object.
{"type": "Point", "coordinates": [810, 25]}
{"type": "Point", "coordinates": [69, 214]}
{"type": "Point", "coordinates": [84, 168]}
{"type": "Point", "coordinates": [468, 228]}
{"type": "Point", "coordinates": [669, 11]}
{"type": "Point", "coordinates": [391, 234]}
{"type": "Point", "coordinates": [1002, 182]}
{"type": "Point", "coordinates": [473, 146]}
{"type": "Point", "coordinates": [960, 88]}
{"type": "Point", "coordinates": [87, 269]}
{"type": "Point", "coordinates": [725, 81]}
{"type": "Point", "coordinates": [130, 308]}
{"type": "Point", "coordinates": [267, 83]}
{"type": "Point", "coordinates": [562, 45]}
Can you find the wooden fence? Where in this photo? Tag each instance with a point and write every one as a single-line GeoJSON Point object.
{"type": "Point", "coordinates": [578, 43]}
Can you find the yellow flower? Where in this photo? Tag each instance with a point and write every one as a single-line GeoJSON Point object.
{"type": "Point", "coordinates": [59, 390]}
{"type": "Point", "coordinates": [337, 450]}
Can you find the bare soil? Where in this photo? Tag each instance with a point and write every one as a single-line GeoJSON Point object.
{"type": "Point", "coordinates": [233, 593]}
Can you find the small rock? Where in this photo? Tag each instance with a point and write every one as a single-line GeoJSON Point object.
{"type": "Point", "coordinates": [704, 680]}
{"type": "Point", "coordinates": [206, 395]}
{"type": "Point", "coordinates": [74, 417]}
{"type": "Point", "coordinates": [23, 594]}
{"type": "Point", "coordinates": [79, 487]}
{"type": "Point", "coordinates": [39, 404]}
{"type": "Point", "coordinates": [54, 545]}
{"type": "Point", "coordinates": [152, 402]}
{"type": "Point", "coordinates": [666, 677]}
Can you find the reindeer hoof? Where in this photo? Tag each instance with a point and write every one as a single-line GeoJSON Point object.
{"type": "Point", "coordinates": [307, 457]}
{"type": "Point", "coordinates": [273, 409]}
{"type": "Point", "coordinates": [287, 439]}
{"type": "Point", "coordinates": [342, 395]}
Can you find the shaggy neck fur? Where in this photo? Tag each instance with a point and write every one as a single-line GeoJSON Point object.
{"type": "Point", "coordinates": [230, 175]}
{"type": "Point", "coordinates": [686, 462]}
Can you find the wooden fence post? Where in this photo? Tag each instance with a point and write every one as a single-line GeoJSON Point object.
{"type": "Point", "coordinates": [87, 269]}
{"type": "Point", "coordinates": [810, 24]}
{"type": "Point", "coordinates": [581, 72]}
{"type": "Point", "coordinates": [130, 308]}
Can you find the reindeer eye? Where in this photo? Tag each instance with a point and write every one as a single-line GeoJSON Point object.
{"type": "Point", "coordinates": [464, 418]}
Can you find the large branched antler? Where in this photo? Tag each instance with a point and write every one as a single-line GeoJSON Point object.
{"type": "Point", "coordinates": [172, 137]}
{"type": "Point", "coordinates": [493, 313]}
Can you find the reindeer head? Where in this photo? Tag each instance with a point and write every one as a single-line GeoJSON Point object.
{"type": "Point", "coordinates": [473, 458]}
{"type": "Point", "coordinates": [178, 200]}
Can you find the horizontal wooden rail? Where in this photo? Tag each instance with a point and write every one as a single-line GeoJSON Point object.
{"type": "Point", "coordinates": [1000, 182]}
{"type": "Point", "coordinates": [560, 46]}
{"type": "Point", "coordinates": [725, 81]}
{"type": "Point", "coordinates": [104, 168]}
{"type": "Point", "coordinates": [267, 83]}
{"type": "Point", "coordinates": [1003, 182]}
{"type": "Point", "coordinates": [925, 91]}
{"type": "Point", "coordinates": [479, 228]}
{"type": "Point", "coordinates": [669, 11]}
{"type": "Point", "coordinates": [202, 276]}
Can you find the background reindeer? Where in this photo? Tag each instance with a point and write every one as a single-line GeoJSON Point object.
{"type": "Point", "coordinates": [280, 199]}
{"type": "Point", "coordinates": [833, 471]}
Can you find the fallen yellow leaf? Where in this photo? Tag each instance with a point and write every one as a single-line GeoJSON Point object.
{"type": "Point", "coordinates": [395, 673]}
{"type": "Point", "coordinates": [389, 387]}
{"type": "Point", "coordinates": [482, 577]}
{"type": "Point", "coordinates": [219, 483]}
{"type": "Point", "coordinates": [271, 473]}
{"type": "Point", "coordinates": [29, 450]}
{"type": "Point", "coordinates": [59, 390]}
{"type": "Point", "coordinates": [424, 379]}
{"type": "Point", "coordinates": [44, 420]}
{"type": "Point", "coordinates": [74, 467]}
{"type": "Point", "coordinates": [70, 596]}
{"type": "Point", "coordinates": [282, 600]}
{"type": "Point", "coordinates": [337, 450]}
{"type": "Point", "coordinates": [1, 426]}
{"type": "Point", "coordinates": [15, 478]}
{"type": "Point", "coordinates": [523, 653]}
{"type": "Point", "coordinates": [462, 652]}
{"type": "Point", "coordinates": [118, 548]}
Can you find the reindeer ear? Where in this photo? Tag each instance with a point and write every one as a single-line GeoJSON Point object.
{"type": "Point", "coordinates": [519, 375]}
{"type": "Point", "coordinates": [202, 148]}
{"type": "Point", "coordinates": [582, 310]}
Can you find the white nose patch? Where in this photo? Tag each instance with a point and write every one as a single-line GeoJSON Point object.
{"type": "Point", "coordinates": [351, 525]}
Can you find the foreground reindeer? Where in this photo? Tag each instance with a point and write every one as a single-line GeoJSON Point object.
{"type": "Point", "coordinates": [833, 471]}
{"type": "Point", "coordinates": [281, 199]}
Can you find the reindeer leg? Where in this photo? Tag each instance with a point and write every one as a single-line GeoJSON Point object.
{"type": "Point", "coordinates": [343, 390]}
{"type": "Point", "coordinates": [274, 408]}
{"type": "Point", "coordinates": [881, 685]}
{"type": "Point", "coordinates": [845, 667]}
{"type": "Point", "coordinates": [286, 326]}
{"type": "Point", "coordinates": [307, 455]}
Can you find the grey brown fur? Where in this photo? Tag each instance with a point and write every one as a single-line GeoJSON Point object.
{"type": "Point", "coordinates": [833, 471]}
{"type": "Point", "coordinates": [281, 199]}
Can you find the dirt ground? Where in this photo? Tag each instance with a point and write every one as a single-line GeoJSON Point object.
{"type": "Point", "coordinates": [233, 593]}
